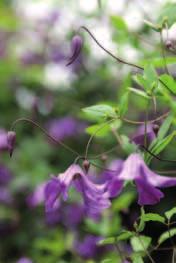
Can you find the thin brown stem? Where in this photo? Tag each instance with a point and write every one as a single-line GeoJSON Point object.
{"type": "Point", "coordinates": [45, 132]}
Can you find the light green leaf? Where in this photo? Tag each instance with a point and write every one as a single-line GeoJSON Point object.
{"type": "Point", "coordinates": [100, 111]}
{"type": "Point", "coordinates": [98, 130]}
{"type": "Point", "coordinates": [140, 243]}
{"type": "Point", "coordinates": [164, 127]}
{"type": "Point", "coordinates": [137, 258]}
{"type": "Point", "coordinates": [123, 106]}
{"type": "Point", "coordinates": [167, 235]}
{"type": "Point", "coordinates": [170, 213]}
{"type": "Point", "coordinates": [140, 93]}
{"type": "Point", "coordinates": [124, 235]}
{"type": "Point", "coordinates": [153, 217]}
{"type": "Point", "coordinates": [169, 82]}
{"type": "Point", "coordinates": [119, 23]}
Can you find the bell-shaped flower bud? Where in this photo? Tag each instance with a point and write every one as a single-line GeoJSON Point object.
{"type": "Point", "coordinates": [86, 165]}
{"type": "Point", "coordinates": [76, 46]}
{"type": "Point", "coordinates": [169, 36]}
{"type": "Point", "coordinates": [11, 140]}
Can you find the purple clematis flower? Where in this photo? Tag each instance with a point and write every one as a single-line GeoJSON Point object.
{"type": "Point", "coordinates": [147, 181]}
{"type": "Point", "coordinates": [139, 137]}
{"type": "Point", "coordinates": [95, 196]}
{"type": "Point", "coordinates": [64, 128]}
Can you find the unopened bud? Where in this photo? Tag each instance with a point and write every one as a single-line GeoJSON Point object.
{"type": "Point", "coordinates": [11, 140]}
{"type": "Point", "coordinates": [86, 165]}
{"type": "Point", "coordinates": [156, 128]}
{"type": "Point", "coordinates": [76, 46]}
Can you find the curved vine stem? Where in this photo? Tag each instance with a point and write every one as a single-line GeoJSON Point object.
{"type": "Point", "coordinates": [45, 132]}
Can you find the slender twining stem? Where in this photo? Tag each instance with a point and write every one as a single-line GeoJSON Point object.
{"type": "Point", "coordinates": [93, 135]}
{"type": "Point", "coordinates": [109, 52]}
{"type": "Point", "coordinates": [155, 156]}
{"type": "Point", "coordinates": [45, 132]}
{"type": "Point", "coordinates": [145, 250]}
{"type": "Point", "coordinates": [149, 121]}
{"type": "Point", "coordinates": [117, 136]}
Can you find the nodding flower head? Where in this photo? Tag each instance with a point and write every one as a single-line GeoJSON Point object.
{"type": "Point", "coordinates": [11, 140]}
{"type": "Point", "coordinates": [96, 196]}
{"type": "Point", "coordinates": [76, 46]}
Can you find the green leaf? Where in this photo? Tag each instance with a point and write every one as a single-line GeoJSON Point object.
{"type": "Point", "coordinates": [150, 74]}
{"type": "Point", "coordinates": [124, 235]}
{"type": "Point", "coordinates": [170, 213]}
{"type": "Point", "coordinates": [169, 82]}
{"type": "Point", "coordinates": [137, 258]}
{"type": "Point", "coordinates": [158, 62]}
{"type": "Point", "coordinates": [123, 201]}
{"type": "Point", "coordinates": [153, 217]}
{"type": "Point", "coordinates": [159, 145]}
{"type": "Point", "coordinates": [140, 93]}
{"type": "Point", "coordinates": [123, 106]}
{"type": "Point", "coordinates": [98, 130]}
{"type": "Point", "coordinates": [167, 235]}
{"type": "Point", "coordinates": [100, 111]}
{"type": "Point", "coordinates": [164, 127]}
{"type": "Point", "coordinates": [119, 23]}
{"type": "Point", "coordinates": [140, 243]}
{"type": "Point", "coordinates": [127, 146]}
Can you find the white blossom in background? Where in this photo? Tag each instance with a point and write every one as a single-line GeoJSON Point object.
{"type": "Point", "coordinates": [58, 76]}
{"type": "Point", "coordinates": [25, 98]}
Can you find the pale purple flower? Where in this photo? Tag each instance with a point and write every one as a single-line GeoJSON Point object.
{"type": "Point", "coordinates": [95, 196]}
{"type": "Point", "coordinates": [147, 181]}
{"type": "Point", "coordinates": [139, 137]}
{"type": "Point", "coordinates": [64, 127]}
{"type": "Point", "coordinates": [11, 140]}
{"type": "Point", "coordinates": [76, 46]}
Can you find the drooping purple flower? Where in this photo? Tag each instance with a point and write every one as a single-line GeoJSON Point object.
{"type": "Point", "coordinates": [63, 128]}
{"type": "Point", "coordinates": [11, 140]}
{"type": "Point", "coordinates": [139, 137]}
{"type": "Point", "coordinates": [147, 181]}
{"type": "Point", "coordinates": [95, 196]}
{"type": "Point", "coordinates": [76, 46]}
{"type": "Point", "coordinates": [88, 248]}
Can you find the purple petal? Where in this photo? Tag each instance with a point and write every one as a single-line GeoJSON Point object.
{"type": "Point", "coordinates": [148, 194]}
{"type": "Point", "coordinates": [52, 191]}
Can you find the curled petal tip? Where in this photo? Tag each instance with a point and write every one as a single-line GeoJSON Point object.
{"type": "Point", "coordinates": [76, 46]}
{"type": "Point", "coordinates": [11, 140]}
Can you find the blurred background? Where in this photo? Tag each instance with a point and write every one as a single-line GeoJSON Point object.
{"type": "Point", "coordinates": [35, 83]}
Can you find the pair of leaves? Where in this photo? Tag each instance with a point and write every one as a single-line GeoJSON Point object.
{"type": "Point", "coordinates": [161, 142]}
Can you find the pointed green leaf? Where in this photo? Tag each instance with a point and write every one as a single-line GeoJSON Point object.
{"type": "Point", "coordinates": [169, 82]}
{"type": "Point", "coordinates": [170, 213]}
{"type": "Point", "coordinates": [167, 235]}
{"type": "Point", "coordinates": [140, 243]}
